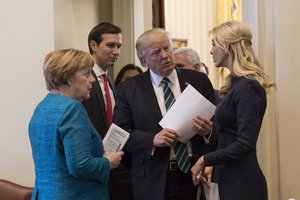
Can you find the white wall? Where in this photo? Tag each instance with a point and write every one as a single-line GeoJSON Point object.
{"type": "Point", "coordinates": [73, 21]}
{"type": "Point", "coordinates": [26, 36]}
{"type": "Point", "coordinates": [30, 29]}
{"type": "Point", "coordinates": [192, 20]}
{"type": "Point", "coordinates": [287, 31]}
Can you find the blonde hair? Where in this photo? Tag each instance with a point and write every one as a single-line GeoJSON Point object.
{"type": "Point", "coordinates": [235, 38]}
{"type": "Point", "coordinates": [60, 65]}
{"type": "Point", "coordinates": [146, 39]}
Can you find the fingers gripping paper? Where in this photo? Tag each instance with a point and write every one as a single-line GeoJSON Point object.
{"type": "Point", "coordinates": [115, 139]}
{"type": "Point", "coordinates": [180, 116]}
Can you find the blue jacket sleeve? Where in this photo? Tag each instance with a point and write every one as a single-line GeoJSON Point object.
{"type": "Point", "coordinates": [82, 145]}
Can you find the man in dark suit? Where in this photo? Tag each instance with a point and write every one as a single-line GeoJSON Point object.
{"type": "Point", "coordinates": [140, 106]}
{"type": "Point", "coordinates": [104, 42]}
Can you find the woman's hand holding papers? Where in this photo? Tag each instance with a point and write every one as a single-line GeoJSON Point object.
{"type": "Point", "coordinates": [202, 125]}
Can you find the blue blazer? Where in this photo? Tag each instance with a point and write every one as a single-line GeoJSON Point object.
{"type": "Point", "coordinates": [67, 152]}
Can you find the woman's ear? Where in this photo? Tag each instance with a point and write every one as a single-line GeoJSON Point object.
{"type": "Point", "coordinates": [227, 49]}
{"type": "Point", "coordinates": [70, 81]}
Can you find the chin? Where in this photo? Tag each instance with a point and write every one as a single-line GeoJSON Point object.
{"type": "Point", "coordinates": [218, 65]}
{"type": "Point", "coordinates": [111, 64]}
{"type": "Point", "coordinates": [87, 96]}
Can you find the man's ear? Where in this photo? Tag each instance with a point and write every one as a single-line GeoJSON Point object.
{"type": "Point", "coordinates": [143, 62]}
{"type": "Point", "coordinates": [93, 45]}
{"type": "Point", "coordinates": [197, 66]}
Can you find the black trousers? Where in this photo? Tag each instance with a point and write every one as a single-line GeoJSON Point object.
{"type": "Point", "coordinates": [120, 186]}
{"type": "Point", "coordinates": [180, 185]}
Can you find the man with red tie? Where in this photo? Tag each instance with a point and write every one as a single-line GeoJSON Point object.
{"type": "Point", "coordinates": [104, 42]}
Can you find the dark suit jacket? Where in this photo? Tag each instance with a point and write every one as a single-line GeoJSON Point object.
{"type": "Point", "coordinates": [138, 112]}
{"type": "Point", "coordinates": [238, 121]}
{"type": "Point", "coordinates": [95, 107]}
{"type": "Point", "coordinates": [119, 182]}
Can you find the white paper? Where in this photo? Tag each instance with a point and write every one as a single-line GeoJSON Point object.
{"type": "Point", "coordinates": [187, 106]}
{"type": "Point", "coordinates": [115, 139]}
{"type": "Point", "coordinates": [212, 192]}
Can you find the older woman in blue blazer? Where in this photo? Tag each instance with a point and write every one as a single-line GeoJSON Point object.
{"type": "Point", "coordinates": [67, 151]}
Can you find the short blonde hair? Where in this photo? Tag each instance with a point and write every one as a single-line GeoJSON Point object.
{"type": "Point", "coordinates": [146, 39]}
{"type": "Point", "coordinates": [60, 65]}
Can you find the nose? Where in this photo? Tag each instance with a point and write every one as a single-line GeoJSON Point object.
{"type": "Point", "coordinates": [116, 51]}
{"type": "Point", "coordinates": [164, 54]}
{"type": "Point", "coordinates": [92, 79]}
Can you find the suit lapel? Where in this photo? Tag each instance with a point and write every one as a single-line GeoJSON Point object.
{"type": "Point", "coordinates": [183, 82]}
{"type": "Point", "coordinates": [98, 92]}
{"type": "Point", "coordinates": [149, 94]}
{"type": "Point", "coordinates": [112, 86]}
{"type": "Point", "coordinates": [150, 97]}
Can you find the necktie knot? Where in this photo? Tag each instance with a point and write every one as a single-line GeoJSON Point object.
{"type": "Point", "coordinates": [104, 77]}
{"type": "Point", "coordinates": [165, 81]}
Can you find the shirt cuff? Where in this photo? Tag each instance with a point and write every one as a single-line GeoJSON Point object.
{"type": "Point", "coordinates": [207, 137]}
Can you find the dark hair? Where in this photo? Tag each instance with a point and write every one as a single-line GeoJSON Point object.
{"type": "Point", "coordinates": [124, 69]}
{"type": "Point", "coordinates": [102, 28]}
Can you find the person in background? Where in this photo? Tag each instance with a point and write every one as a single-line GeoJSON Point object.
{"type": "Point", "coordinates": [105, 41]}
{"type": "Point", "coordinates": [187, 58]}
{"type": "Point", "coordinates": [157, 173]}
{"type": "Point", "coordinates": [128, 71]}
{"type": "Point", "coordinates": [67, 150]}
{"type": "Point", "coordinates": [238, 117]}
{"type": "Point", "coordinates": [204, 69]}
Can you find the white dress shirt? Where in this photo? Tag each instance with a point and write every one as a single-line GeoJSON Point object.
{"type": "Point", "coordinates": [99, 73]}
{"type": "Point", "coordinates": [158, 89]}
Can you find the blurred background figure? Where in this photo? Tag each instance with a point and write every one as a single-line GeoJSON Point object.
{"type": "Point", "coordinates": [187, 58]}
{"type": "Point", "coordinates": [204, 69]}
{"type": "Point", "coordinates": [127, 72]}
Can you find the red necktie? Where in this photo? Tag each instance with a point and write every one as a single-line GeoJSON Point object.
{"type": "Point", "coordinates": [108, 100]}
